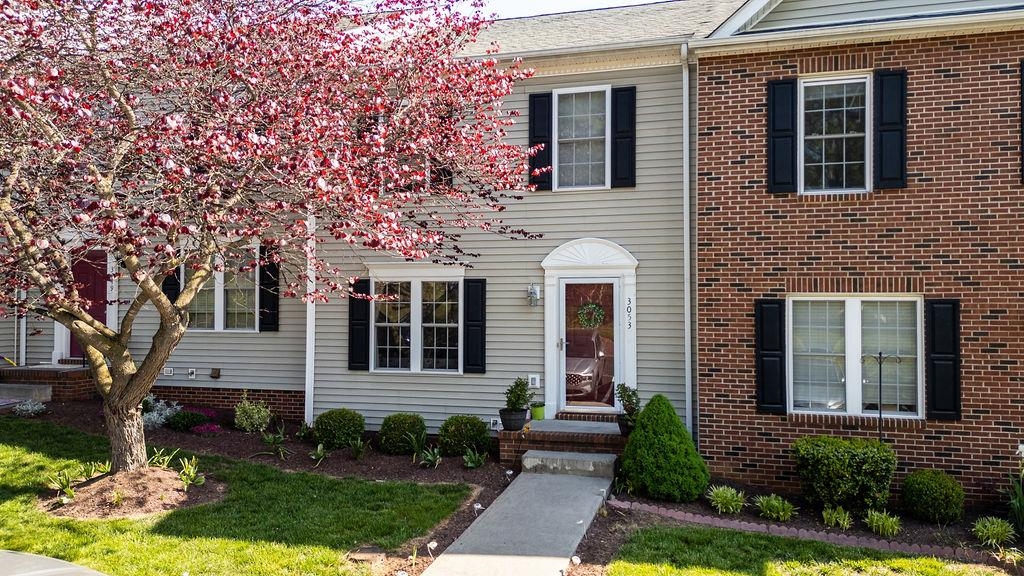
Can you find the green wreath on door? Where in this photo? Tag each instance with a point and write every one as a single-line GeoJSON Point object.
{"type": "Point", "coordinates": [590, 315]}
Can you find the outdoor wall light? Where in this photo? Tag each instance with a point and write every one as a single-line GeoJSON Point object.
{"type": "Point", "coordinates": [533, 294]}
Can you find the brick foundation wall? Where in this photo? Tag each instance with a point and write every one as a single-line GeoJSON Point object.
{"type": "Point", "coordinates": [65, 384]}
{"type": "Point", "coordinates": [954, 232]}
{"type": "Point", "coordinates": [512, 445]}
{"type": "Point", "coordinates": [287, 404]}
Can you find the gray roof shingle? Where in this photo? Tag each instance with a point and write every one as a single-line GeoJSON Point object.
{"type": "Point", "coordinates": [606, 27]}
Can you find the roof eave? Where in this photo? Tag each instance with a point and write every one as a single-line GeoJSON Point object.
{"type": "Point", "coordinates": [576, 50]}
{"type": "Point", "coordinates": [860, 33]}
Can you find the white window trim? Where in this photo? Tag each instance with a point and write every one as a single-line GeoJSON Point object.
{"type": "Point", "coordinates": [607, 88]}
{"type": "Point", "coordinates": [219, 302]}
{"type": "Point", "coordinates": [416, 274]}
{"type": "Point", "coordinates": [854, 366]}
{"type": "Point", "coordinates": [869, 145]}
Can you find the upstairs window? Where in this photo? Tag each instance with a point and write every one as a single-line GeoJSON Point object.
{"type": "Point", "coordinates": [582, 139]}
{"type": "Point", "coordinates": [834, 131]}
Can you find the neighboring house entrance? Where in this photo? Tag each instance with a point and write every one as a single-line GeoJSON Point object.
{"type": "Point", "coordinates": [589, 325]}
{"type": "Point", "coordinates": [91, 272]}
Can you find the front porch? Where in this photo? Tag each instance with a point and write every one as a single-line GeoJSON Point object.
{"type": "Point", "coordinates": [568, 432]}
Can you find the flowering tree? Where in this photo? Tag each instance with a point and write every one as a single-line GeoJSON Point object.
{"type": "Point", "coordinates": [179, 134]}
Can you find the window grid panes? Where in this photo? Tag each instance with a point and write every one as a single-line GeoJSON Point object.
{"type": "Point", "coordinates": [202, 310]}
{"type": "Point", "coordinates": [240, 300]}
{"type": "Point", "coordinates": [393, 324]}
{"type": "Point", "coordinates": [440, 326]}
{"type": "Point", "coordinates": [835, 135]}
{"type": "Point", "coordinates": [819, 355]}
{"type": "Point", "coordinates": [581, 124]}
{"type": "Point", "coordinates": [890, 328]}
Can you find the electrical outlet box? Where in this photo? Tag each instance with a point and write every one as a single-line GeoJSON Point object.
{"type": "Point", "coordinates": [191, 373]}
{"type": "Point", "coordinates": [168, 371]}
{"type": "Point", "coordinates": [495, 424]}
{"type": "Point", "coordinates": [534, 380]}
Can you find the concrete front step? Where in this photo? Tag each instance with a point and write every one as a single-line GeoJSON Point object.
{"type": "Point", "coordinates": [571, 463]}
{"type": "Point", "coordinates": [37, 392]}
{"type": "Point", "coordinates": [531, 529]}
{"type": "Point", "coordinates": [560, 436]}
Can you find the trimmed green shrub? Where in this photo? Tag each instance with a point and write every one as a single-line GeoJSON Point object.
{"type": "Point", "coordinates": [775, 507]}
{"type": "Point", "coordinates": [660, 459]}
{"type": "Point", "coordinates": [932, 496]}
{"type": "Point", "coordinates": [186, 420]}
{"type": "Point", "coordinates": [882, 523]}
{"type": "Point", "coordinates": [993, 532]}
{"type": "Point", "coordinates": [338, 428]}
{"type": "Point", "coordinates": [855, 474]}
{"type": "Point", "coordinates": [460, 432]}
{"type": "Point", "coordinates": [252, 416]}
{"type": "Point", "coordinates": [393, 437]}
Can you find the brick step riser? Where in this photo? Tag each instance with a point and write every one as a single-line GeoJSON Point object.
{"type": "Point", "coordinates": [585, 417]}
{"type": "Point", "coordinates": [512, 445]}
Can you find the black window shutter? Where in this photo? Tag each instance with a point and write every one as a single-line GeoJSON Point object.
{"type": "Point", "coordinates": [942, 359]}
{"type": "Point", "coordinates": [270, 293]}
{"type": "Point", "coordinates": [171, 286]}
{"type": "Point", "coordinates": [782, 136]}
{"type": "Point", "coordinates": [624, 137]}
{"type": "Point", "coordinates": [540, 133]}
{"type": "Point", "coordinates": [770, 354]}
{"type": "Point", "coordinates": [474, 326]}
{"type": "Point", "coordinates": [359, 327]}
{"type": "Point", "coordinates": [890, 129]}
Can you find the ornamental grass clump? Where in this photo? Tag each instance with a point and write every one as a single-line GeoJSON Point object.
{"type": "Point", "coordinates": [726, 499]}
{"type": "Point", "coordinates": [855, 474]}
{"type": "Point", "coordinates": [775, 507]}
{"type": "Point", "coordinates": [993, 532]}
{"type": "Point", "coordinates": [932, 496]}
{"type": "Point", "coordinates": [837, 518]}
{"type": "Point", "coordinates": [882, 523]}
{"type": "Point", "coordinates": [660, 459]}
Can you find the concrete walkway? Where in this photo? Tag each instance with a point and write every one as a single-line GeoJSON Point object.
{"type": "Point", "coordinates": [531, 529]}
{"type": "Point", "coordinates": [21, 564]}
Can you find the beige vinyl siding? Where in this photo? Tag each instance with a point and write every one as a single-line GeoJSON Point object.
{"type": "Point", "coordinates": [267, 360]}
{"type": "Point", "coordinates": [647, 221]}
{"type": "Point", "coordinates": [9, 338]}
{"type": "Point", "coordinates": [803, 13]}
{"type": "Point", "coordinates": [39, 341]}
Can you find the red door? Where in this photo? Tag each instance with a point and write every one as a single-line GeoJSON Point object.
{"type": "Point", "coordinates": [91, 272]}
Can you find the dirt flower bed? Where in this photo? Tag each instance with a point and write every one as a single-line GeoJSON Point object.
{"type": "Point", "coordinates": [134, 494]}
{"type": "Point", "coordinates": [487, 481]}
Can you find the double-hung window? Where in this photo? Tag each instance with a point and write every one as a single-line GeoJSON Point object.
{"type": "Point", "coordinates": [417, 319]}
{"type": "Point", "coordinates": [228, 301]}
{"type": "Point", "coordinates": [582, 143]}
{"type": "Point", "coordinates": [835, 135]}
{"type": "Point", "coordinates": [834, 347]}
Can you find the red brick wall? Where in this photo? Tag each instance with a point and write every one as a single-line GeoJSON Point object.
{"type": "Point", "coordinates": [288, 404]}
{"type": "Point", "coordinates": [955, 232]}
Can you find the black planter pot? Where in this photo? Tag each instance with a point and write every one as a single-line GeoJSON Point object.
{"type": "Point", "coordinates": [513, 420]}
{"type": "Point", "coordinates": [625, 425]}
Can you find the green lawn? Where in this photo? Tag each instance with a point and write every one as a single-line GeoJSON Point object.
{"type": "Point", "coordinates": [271, 522]}
{"type": "Point", "coordinates": [666, 551]}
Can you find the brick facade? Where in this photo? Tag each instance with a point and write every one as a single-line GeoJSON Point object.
{"type": "Point", "coordinates": [954, 232]}
{"type": "Point", "coordinates": [287, 404]}
{"type": "Point", "coordinates": [66, 383]}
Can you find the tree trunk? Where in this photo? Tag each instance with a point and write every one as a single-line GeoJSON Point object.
{"type": "Point", "coordinates": [127, 436]}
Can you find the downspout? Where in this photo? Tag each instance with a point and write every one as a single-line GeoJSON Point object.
{"type": "Point", "coordinates": [687, 330]}
{"type": "Point", "coordinates": [310, 321]}
{"type": "Point", "coordinates": [22, 336]}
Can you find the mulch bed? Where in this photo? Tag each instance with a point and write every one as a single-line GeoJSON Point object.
{"type": "Point", "coordinates": [487, 482]}
{"type": "Point", "coordinates": [134, 494]}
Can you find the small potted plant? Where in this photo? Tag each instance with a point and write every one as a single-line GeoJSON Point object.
{"type": "Point", "coordinates": [629, 400]}
{"type": "Point", "coordinates": [517, 403]}
{"type": "Point", "coordinates": [536, 410]}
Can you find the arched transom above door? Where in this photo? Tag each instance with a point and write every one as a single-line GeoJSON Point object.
{"type": "Point", "coordinates": [589, 253]}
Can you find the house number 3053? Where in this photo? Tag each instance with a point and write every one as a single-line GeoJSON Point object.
{"type": "Point", "coordinates": [629, 313]}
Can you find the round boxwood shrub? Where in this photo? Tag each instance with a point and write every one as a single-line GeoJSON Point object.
{"type": "Point", "coordinates": [660, 459]}
{"type": "Point", "coordinates": [338, 428]}
{"type": "Point", "coordinates": [933, 496]}
{"type": "Point", "coordinates": [186, 420]}
{"type": "Point", "coordinates": [395, 431]}
{"type": "Point", "coordinates": [852, 473]}
{"type": "Point", "coordinates": [460, 432]}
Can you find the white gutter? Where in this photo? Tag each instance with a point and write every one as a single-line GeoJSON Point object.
{"type": "Point", "coordinates": [569, 51]}
{"type": "Point", "coordinates": [687, 331]}
{"type": "Point", "coordinates": [310, 326]}
{"type": "Point", "coordinates": [861, 33]}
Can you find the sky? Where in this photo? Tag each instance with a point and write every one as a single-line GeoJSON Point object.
{"type": "Point", "coordinates": [515, 8]}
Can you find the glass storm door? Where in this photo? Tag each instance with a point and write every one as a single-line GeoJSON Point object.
{"type": "Point", "coordinates": [588, 343]}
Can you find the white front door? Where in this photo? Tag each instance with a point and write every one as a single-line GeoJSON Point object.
{"type": "Point", "coordinates": [589, 342]}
